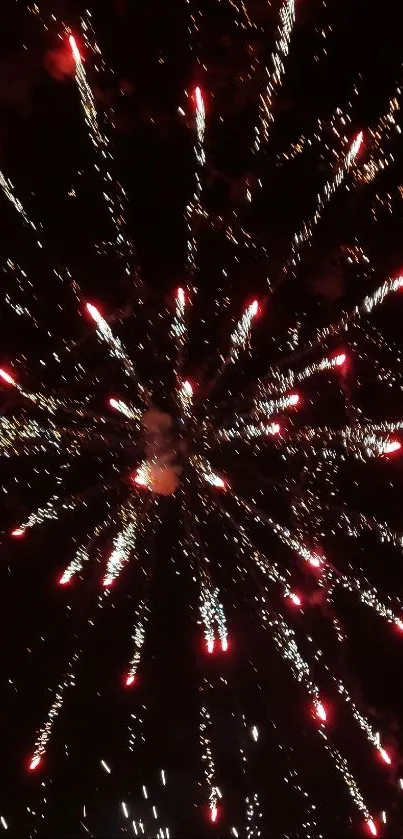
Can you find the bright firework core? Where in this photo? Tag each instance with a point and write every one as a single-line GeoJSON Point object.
{"type": "Point", "coordinates": [160, 471]}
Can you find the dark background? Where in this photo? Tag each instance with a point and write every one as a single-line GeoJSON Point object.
{"type": "Point", "coordinates": [157, 57]}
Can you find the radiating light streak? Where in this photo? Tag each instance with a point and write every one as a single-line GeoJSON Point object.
{"type": "Point", "coordinates": [369, 302]}
{"type": "Point", "coordinates": [67, 681]}
{"type": "Point", "coordinates": [83, 553]}
{"type": "Point", "coordinates": [113, 192]}
{"type": "Point", "coordinates": [275, 405]}
{"type": "Point", "coordinates": [106, 767]}
{"type": "Point", "coordinates": [105, 333]}
{"type": "Point", "coordinates": [41, 743]}
{"type": "Point", "coordinates": [203, 467]}
{"type": "Point", "coordinates": [314, 559]}
{"type": "Point", "coordinates": [52, 509]}
{"type": "Point", "coordinates": [127, 410]}
{"type": "Point", "coordinates": [284, 638]}
{"type": "Point", "coordinates": [207, 757]}
{"type": "Point", "coordinates": [281, 382]}
{"type": "Point", "coordinates": [213, 616]}
{"type": "Point", "coordinates": [138, 639]}
{"type": "Point", "coordinates": [194, 207]}
{"type": "Point", "coordinates": [276, 73]}
{"type": "Point", "coordinates": [239, 340]}
{"type": "Point", "coordinates": [247, 431]}
{"type": "Point", "coordinates": [179, 328]}
{"type": "Point", "coordinates": [123, 545]}
{"type": "Point", "coordinates": [8, 190]}
{"type": "Point", "coordinates": [185, 394]}
{"type": "Point", "coordinates": [44, 401]}
{"type": "Point", "coordinates": [322, 199]}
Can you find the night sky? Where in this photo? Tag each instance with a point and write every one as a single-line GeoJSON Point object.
{"type": "Point", "coordinates": [263, 734]}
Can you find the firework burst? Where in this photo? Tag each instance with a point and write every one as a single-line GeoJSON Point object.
{"type": "Point", "coordinates": [186, 452]}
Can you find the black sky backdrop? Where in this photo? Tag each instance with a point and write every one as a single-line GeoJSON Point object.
{"type": "Point", "coordinates": [45, 150]}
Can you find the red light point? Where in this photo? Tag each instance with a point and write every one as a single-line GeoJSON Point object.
{"type": "Point", "coordinates": [294, 399]}
{"type": "Point", "coordinates": [224, 645]}
{"type": "Point", "coordinates": [34, 763]}
{"type": "Point", "coordinates": [18, 532]}
{"type": "Point", "coordinates": [372, 827]}
{"type": "Point", "coordinates": [140, 481]}
{"type": "Point", "coordinates": [213, 813]}
{"type": "Point", "coordinates": [399, 625]}
{"type": "Point", "coordinates": [321, 712]}
{"type": "Point", "coordinates": [188, 387]}
{"type": "Point", "coordinates": [393, 446]}
{"type": "Point", "coordinates": [254, 308]}
{"type": "Point", "coordinates": [130, 680]}
{"type": "Point", "coordinates": [6, 377]}
{"type": "Point", "coordinates": [210, 646]}
{"type": "Point", "coordinates": [64, 579]}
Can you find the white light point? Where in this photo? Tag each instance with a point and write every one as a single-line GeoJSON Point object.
{"type": "Point", "coordinates": [199, 98]}
{"type": "Point", "coordinates": [295, 598]}
{"type": "Point", "coordinates": [95, 314]}
{"type": "Point", "coordinates": [106, 767]}
{"type": "Point", "coordinates": [3, 822]}
{"type": "Point", "coordinates": [340, 359]}
{"type": "Point", "coordinates": [255, 733]}
{"type": "Point", "coordinates": [74, 48]}
{"type": "Point", "coordinates": [321, 712]}
{"type": "Point", "coordinates": [34, 763]}
{"type": "Point", "coordinates": [140, 480]}
{"type": "Point", "coordinates": [125, 810]}
{"type": "Point", "coordinates": [314, 561]}
{"type": "Point", "coordinates": [385, 757]}
{"type": "Point", "coordinates": [356, 145]}
{"type": "Point", "coordinates": [372, 827]}
{"type": "Point", "coordinates": [6, 377]}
